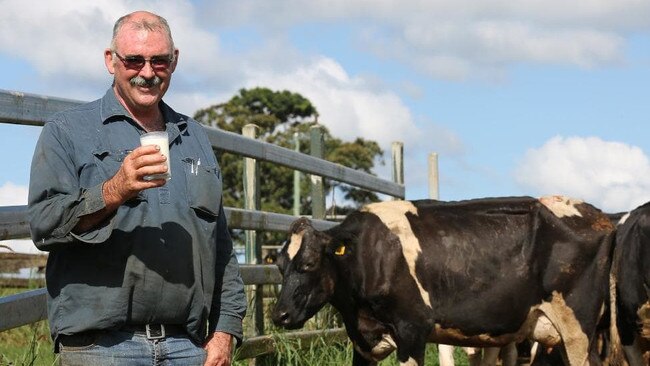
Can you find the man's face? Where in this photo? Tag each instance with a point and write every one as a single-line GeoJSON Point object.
{"type": "Point", "coordinates": [145, 94]}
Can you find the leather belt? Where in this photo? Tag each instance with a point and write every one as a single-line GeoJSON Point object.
{"type": "Point", "coordinates": [155, 331]}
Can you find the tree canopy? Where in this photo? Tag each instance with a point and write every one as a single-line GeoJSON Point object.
{"type": "Point", "coordinates": [280, 114]}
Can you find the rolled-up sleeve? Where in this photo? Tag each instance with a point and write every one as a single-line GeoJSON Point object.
{"type": "Point", "coordinates": [56, 199]}
{"type": "Point", "coordinates": [229, 300]}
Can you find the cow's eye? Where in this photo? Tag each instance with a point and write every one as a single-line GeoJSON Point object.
{"type": "Point", "coordinates": [307, 267]}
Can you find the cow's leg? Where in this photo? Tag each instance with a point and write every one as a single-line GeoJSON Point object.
{"type": "Point", "coordinates": [446, 355]}
{"type": "Point", "coordinates": [411, 355]}
{"type": "Point", "coordinates": [411, 361]}
{"type": "Point", "coordinates": [509, 355]}
{"type": "Point", "coordinates": [547, 359]}
{"type": "Point", "coordinates": [634, 354]}
{"type": "Point", "coordinates": [411, 342]}
{"type": "Point", "coordinates": [533, 351]}
{"type": "Point", "coordinates": [359, 360]}
{"type": "Point", "coordinates": [490, 355]}
{"type": "Point", "coordinates": [550, 357]}
{"type": "Point", "coordinates": [473, 355]}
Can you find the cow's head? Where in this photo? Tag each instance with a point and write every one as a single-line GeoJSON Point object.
{"type": "Point", "coordinates": [308, 275]}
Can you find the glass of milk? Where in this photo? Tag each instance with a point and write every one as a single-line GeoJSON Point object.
{"type": "Point", "coordinates": [161, 139]}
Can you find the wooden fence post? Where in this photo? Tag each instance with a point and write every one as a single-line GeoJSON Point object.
{"type": "Point", "coordinates": [317, 190]}
{"type": "Point", "coordinates": [296, 178]}
{"type": "Point", "coordinates": [252, 201]}
{"type": "Point", "coordinates": [397, 155]}
{"type": "Point", "coordinates": [434, 187]}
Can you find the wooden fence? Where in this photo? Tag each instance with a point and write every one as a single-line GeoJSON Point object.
{"type": "Point", "coordinates": [29, 307]}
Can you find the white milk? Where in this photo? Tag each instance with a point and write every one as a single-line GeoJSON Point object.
{"type": "Point", "coordinates": [161, 139]}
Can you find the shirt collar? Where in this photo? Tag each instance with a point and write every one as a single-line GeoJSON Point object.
{"type": "Point", "coordinates": [112, 109]}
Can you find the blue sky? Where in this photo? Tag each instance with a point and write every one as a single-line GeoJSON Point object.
{"type": "Point", "coordinates": [528, 97]}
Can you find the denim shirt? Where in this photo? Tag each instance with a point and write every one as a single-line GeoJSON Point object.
{"type": "Point", "coordinates": [164, 256]}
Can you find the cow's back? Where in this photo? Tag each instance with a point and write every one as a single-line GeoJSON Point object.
{"type": "Point", "coordinates": [481, 266]}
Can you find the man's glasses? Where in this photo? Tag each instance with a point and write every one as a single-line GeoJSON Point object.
{"type": "Point", "coordinates": [158, 63]}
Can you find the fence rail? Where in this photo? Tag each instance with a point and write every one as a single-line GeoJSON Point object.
{"type": "Point", "coordinates": [14, 224]}
{"type": "Point", "coordinates": [30, 306]}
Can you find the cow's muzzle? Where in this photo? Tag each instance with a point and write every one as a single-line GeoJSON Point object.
{"type": "Point", "coordinates": [283, 318]}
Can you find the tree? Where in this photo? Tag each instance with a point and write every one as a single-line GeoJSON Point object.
{"type": "Point", "coordinates": [280, 114]}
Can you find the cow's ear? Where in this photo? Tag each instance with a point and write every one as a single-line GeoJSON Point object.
{"type": "Point", "coordinates": [338, 248]}
{"type": "Point", "coordinates": [341, 249]}
{"type": "Point", "coordinates": [300, 225]}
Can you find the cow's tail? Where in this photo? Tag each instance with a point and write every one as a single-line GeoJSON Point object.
{"type": "Point", "coordinates": [616, 356]}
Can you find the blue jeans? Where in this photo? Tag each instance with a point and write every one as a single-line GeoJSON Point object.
{"type": "Point", "coordinates": [116, 348]}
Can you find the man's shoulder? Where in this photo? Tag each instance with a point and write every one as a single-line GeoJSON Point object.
{"type": "Point", "coordinates": [80, 114]}
{"type": "Point", "coordinates": [192, 122]}
{"type": "Point", "coordinates": [183, 119]}
{"type": "Point", "coordinates": [172, 114]}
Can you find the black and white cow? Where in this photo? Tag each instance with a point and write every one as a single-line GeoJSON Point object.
{"type": "Point", "coordinates": [631, 274]}
{"type": "Point", "coordinates": [479, 273]}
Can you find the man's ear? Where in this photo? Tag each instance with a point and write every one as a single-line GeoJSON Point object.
{"type": "Point", "coordinates": [109, 61]}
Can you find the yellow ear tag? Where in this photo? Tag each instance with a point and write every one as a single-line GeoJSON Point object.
{"type": "Point", "coordinates": [340, 250]}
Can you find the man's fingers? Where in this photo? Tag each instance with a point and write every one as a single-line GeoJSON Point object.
{"type": "Point", "coordinates": [146, 170]}
{"type": "Point", "coordinates": [142, 160]}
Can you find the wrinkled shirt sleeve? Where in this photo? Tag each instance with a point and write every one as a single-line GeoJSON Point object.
{"type": "Point", "coordinates": [56, 199]}
{"type": "Point", "coordinates": [229, 302]}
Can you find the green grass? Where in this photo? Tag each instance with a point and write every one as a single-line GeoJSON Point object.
{"type": "Point", "coordinates": [293, 353]}
{"type": "Point", "coordinates": [29, 345]}
{"type": "Point", "coordinates": [290, 353]}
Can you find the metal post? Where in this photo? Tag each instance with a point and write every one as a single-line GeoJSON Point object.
{"type": "Point", "coordinates": [252, 201]}
{"type": "Point", "coordinates": [296, 178]}
{"type": "Point", "coordinates": [397, 154]}
{"type": "Point", "coordinates": [317, 190]}
{"type": "Point", "coordinates": [434, 188]}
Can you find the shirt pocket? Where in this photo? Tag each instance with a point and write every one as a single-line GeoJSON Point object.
{"type": "Point", "coordinates": [203, 188]}
{"type": "Point", "coordinates": [105, 165]}
{"type": "Point", "coordinates": [109, 161]}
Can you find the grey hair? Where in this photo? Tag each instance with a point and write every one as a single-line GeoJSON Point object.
{"type": "Point", "coordinates": [157, 25]}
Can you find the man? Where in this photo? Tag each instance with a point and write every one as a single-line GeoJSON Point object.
{"type": "Point", "coordinates": [140, 271]}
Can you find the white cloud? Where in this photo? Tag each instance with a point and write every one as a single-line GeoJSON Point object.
{"type": "Point", "coordinates": [350, 106]}
{"type": "Point", "coordinates": [354, 107]}
{"type": "Point", "coordinates": [65, 41]}
{"type": "Point", "coordinates": [464, 38]}
{"type": "Point", "coordinates": [59, 37]}
{"type": "Point", "coordinates": [611, 175]}
{"type": "Point", "coordinates": [12, 194]}
{"type": "Point", "coordinates": [460, 49]}
{"type": "Point", "coordinates": [624, 13]}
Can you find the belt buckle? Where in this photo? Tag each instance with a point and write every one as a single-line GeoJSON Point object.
{"type": "Point", "coordinates": [156, 331]}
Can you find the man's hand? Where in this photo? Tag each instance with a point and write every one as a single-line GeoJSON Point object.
{"type": "Point", "coordinates": [126, 183]}
{"type": "Point", "coordinates": [219, 349]}
{"type": "Point", "coordinates": [129, 179]}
